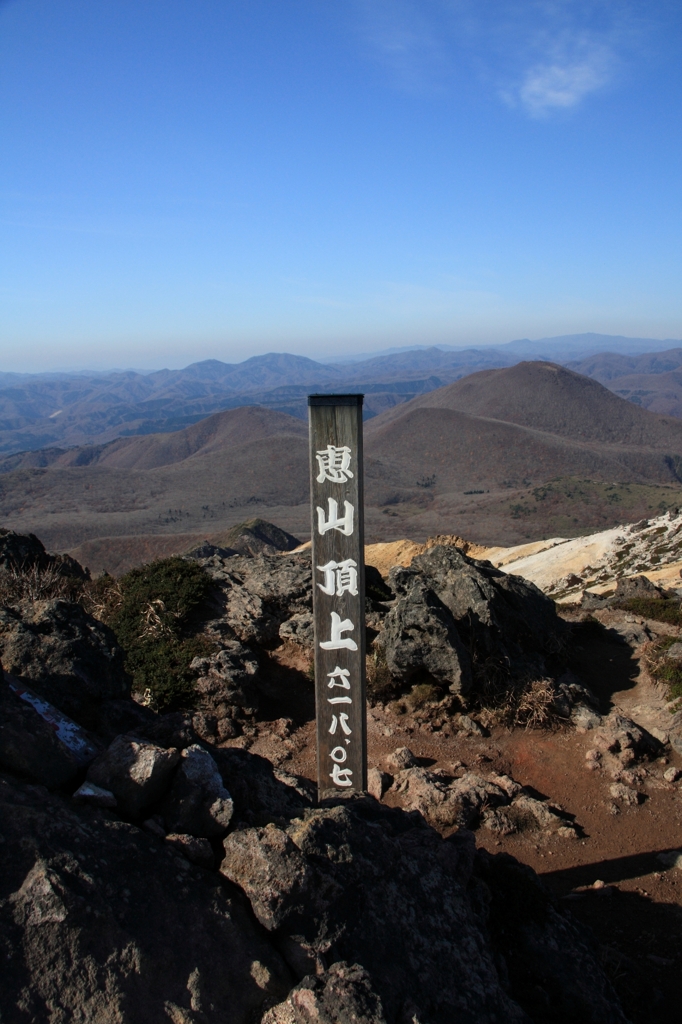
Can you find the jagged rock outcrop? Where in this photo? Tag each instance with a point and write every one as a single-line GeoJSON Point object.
{"type": "Point", "coordinates": [67, 656]}
{"type": "Point", "coordinates": [103, 923]}
{"type": "Point", "coordinates": [261, 593]}
{"type": "Point", "coordinates": [446, 618]}
{"type": "Point", "coordinates": [226, 688]}
{"type": "Point", "coordinates": [21, 552]}
{"type": "Point", "coordinates": [452, 610]}
{"type": "Point", "coordinates": [333, 884]}
{"type": "Point", "coordinates": [420, 636]}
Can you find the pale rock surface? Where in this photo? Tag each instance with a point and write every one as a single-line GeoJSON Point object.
{"type": "Point", "coordinates": [341, 995]}
{"type": "Point", "coordinates": [198, 802]}
{"type": "Point", "coordinates": [401, 758]}
{"type": "Point", "coordinates": [89, 793]}
{"type": "Point", "coordinates": [137, 772]}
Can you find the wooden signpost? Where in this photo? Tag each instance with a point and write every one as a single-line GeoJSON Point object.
{"type": "Point", "coordinates": [338, 551]}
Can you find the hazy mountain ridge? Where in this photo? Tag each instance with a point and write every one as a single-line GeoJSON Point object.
{"type": "Point", "coordinates": [484, 457]}
{"type": "Point", "coordinates": [66, 410]}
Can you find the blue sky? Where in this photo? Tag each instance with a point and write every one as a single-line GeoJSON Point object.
{"type": "Point", "coordinates": [189, 179]}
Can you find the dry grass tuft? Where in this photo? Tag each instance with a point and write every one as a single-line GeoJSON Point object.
{"type": "Point", "coordinates": [528, 703]}
{"type": "Point", "coordinates": [31, 583]}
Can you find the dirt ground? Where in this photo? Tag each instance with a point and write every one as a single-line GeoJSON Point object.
{"type": "Point", "coordinates": [635, 910]}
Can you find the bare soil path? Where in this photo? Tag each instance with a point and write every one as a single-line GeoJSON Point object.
{"type": "Point", "coordinates": [635, 910]}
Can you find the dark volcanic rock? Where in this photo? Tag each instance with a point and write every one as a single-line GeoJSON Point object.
{"type": "Point", "coordinates": [136, 772]}
{"type": "Point", "coordinates": [420, 634]}
{"type": "Point", "coordinates": [225, 686]}
{"type": "Point", "coordinates": [198, 803]}
{"type": "Point", "coordinates": [452, 609]}
{"type": "Point", "coordinates": [29, 746]}
{"type": "Point", "coordinates": [97, 924]}
{"type": "Point", "coordinates": [341, 995]}
{"type": "Point", "coordinates": [18, 551]}
{"type": "Point", "coordinates": [260, 792]}
{"type": "Point", "coordinates": [338, 881]}
{"type": "Point", "coordinates": [261, 593]}
{"type": "Point", "coordinates": [66, 655]}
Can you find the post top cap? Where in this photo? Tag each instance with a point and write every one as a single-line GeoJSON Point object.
{"type": "Point", "coordinates": [335, 399]}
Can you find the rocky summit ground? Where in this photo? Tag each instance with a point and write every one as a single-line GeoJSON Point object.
{"type": "Point", "coordinates": [516, 858]}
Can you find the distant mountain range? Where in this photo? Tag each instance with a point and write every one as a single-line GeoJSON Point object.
{"type": "Point", "coordinates": [495, 456]}
{"type": "Point", "coordinates": [64, 410]}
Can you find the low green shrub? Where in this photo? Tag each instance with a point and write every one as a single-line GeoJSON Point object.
{"type": "Point", "coordinates": [156, 612]}
{"type": "Point", "coordinates": [660, 609]}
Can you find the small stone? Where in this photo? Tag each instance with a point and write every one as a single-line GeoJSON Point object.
{"type": "Point", "coordinates": [624, 793]}
{"type": "Point", "coordinates": [599, 884]}
{"type": "Point", "coordinates": [593, 755]}
{"type": "Point", "coordinates": [672, 774]}
{"type": "Point", "coordinates": [89, 793]}
{"type": "Point", "coordinates": [401, 759]}
{"type": "Point", "coordinates": [469, 726]}
{"type": "Point", "coordinates": [378, 782]}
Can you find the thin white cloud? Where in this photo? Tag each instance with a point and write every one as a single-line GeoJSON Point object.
{"type": "Point", "coordinates": [540, 56]}
{"type": "Point", "coordinates": [563, 83]}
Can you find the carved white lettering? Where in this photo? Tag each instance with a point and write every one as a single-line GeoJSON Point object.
{"type": "Point", "coordinates": [342, 675]}
{"type": "Point", "coordinates": [338, 642]}
{"type": "Point", "coordinates": [343, 525]}
{"type": "Point", "coordinates": [341, 776]}
{"type": "Point", "coordinates": [340, 578]}
{"type": "Point", "coordinates": [333, 464]}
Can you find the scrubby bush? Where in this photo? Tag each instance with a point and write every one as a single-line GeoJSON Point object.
{"type": "Point", "coordinates": [660, 609]}
{"type": "Point", "coordinates": [156, 612]}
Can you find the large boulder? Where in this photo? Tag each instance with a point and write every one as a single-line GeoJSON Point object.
{"type": "Point", "coordinates": [458, 619]}
{"type": "Point", "coordinates": [420, 635]}
{"type": "Point", "coordinates": [67, 656]}
{"type": "Point", "coordinates": [138, 773]}
{"type": "Point", "coordinates": [100, 922]}
{"type": "Point", "coordinates": [271, 870]}
{"type": "Point", "coordinates": [363, 885]}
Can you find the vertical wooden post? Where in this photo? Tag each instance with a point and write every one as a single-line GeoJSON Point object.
{"type": "Point", "coordinates": [338, 551]}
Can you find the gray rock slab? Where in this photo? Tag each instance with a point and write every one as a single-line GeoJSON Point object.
{"type": "Point", "coordinates": [137, 772]}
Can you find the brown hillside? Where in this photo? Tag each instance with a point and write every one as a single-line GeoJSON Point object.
{"type": "Point", "coordinates": [221, 431]}
{"type": "Point", "coordinates": [464, 452]}
{"type": "Point", "coordinates": [431, 467]}
{"type": "Point", "coordinates": [551, 399]}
